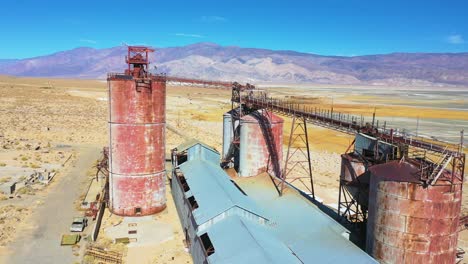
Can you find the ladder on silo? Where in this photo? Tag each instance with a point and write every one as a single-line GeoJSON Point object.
{"type": "Point", "coordinates": [440, 167]}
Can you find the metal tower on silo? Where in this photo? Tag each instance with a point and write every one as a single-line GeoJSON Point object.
{"type": "Point", "coordinates": [137, 105]}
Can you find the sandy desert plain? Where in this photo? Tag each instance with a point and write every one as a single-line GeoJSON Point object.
{"type": "Point", "coordinates": [60, 125]}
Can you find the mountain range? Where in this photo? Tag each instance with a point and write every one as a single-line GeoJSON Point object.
{"type": "Point", "coordinates": [230, 63]}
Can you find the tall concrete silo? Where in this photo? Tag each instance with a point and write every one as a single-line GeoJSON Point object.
{"type": "Point", "coordinates": [137, 103]}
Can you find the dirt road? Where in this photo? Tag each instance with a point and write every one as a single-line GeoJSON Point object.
{"type": "Point", "coordinates": [41, 243]}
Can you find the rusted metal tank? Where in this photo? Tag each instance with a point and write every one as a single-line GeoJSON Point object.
{"type": "Point", "coordinates": [408, 222]}
{"type": "Point", "coordinates": [261, 143]}
{"type": "Point", "coordinates": [137, 144]}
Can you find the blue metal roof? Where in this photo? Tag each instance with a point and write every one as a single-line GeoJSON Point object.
{"type": "Point", "coordinates": [237, 240]}
{"type": "Point", "coordinates": [214, 192]}
{"type": "Point", "coordinates": [295, 230]}
{"type": "Point", "coordinates": [192, 142]}
{"type": "Point", "coordinates": [311, 234]}
{"type": "Point", "coordinates": [198, 150]}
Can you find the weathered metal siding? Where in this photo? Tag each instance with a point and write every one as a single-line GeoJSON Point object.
{"type": "Point", "coordinates": [228, 133]}
{"type": "Point", "coordinates": [144, 192]}
{"type": "Point", "coordinates": [254, 155]}
{"type": "Point", "coordinates": [365, 142]}
{"type": "Point", "coordinates": [137, 146]}
{"type": "Point", "coordinates": [411, 224]}
{"type": "Point", "coordinates": [179, 196]}
{"type": "Point", "coordinates": [229, 129]}
{"type": "Point", "coordinates": [136, 149]}
{"type": "Point", "coordinates": [184, 210]}
{"type": "Point", "coordinates": [197, 252]}
{"type": "Point", "coordinates": [199, 152]}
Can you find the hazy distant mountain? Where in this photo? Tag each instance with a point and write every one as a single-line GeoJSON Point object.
{"type": "Point", "coordinates": [7, 61]}
{"type": "Point", "coordinates": [212, 61]}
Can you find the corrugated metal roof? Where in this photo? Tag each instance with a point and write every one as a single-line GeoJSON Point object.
{"type": "Point", "coordinates": [214, 191]}
{"type": "Point", "coordinates": [237, 240]}
{"type": "Point", "coordinates": [192, 142]}
{"type": "Point", "coordinates": [197, 150]}
{"type": "Point", "coordinates": [300, 231]}
{"type": "Point", "coordinates": [311, 234]}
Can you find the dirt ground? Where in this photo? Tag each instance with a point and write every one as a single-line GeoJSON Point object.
{"type": "Point", "coordinates": [56, 114]}
{"type": "Point", "coordinates": [43, 128]}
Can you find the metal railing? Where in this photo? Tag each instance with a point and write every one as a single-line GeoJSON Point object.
{"type": "Point", "coordinates": [177, 79]}
{"type": "Point", "coordinates": [346, 123]}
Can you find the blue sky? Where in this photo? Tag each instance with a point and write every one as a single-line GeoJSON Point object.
{"type": "Point", "coordinates": [329, 27]}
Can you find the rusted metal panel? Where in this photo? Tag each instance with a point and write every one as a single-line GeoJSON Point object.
{"type": "Point", "coordinates": [254, 154]}
{"type": "Point", "coordinates": [355, 179]}
{"type": "Point", "coordinates": [137, 149]}
{"type": "Point", "coordinates": [411, 223]}
{"type": "Point", "coordinates": [137, 145]}
{"type": "Point", "coordinates": [351, 167]}
{"type": "Point", "coordinates": [137, 195]}
{"type": "Point", "coordinates": [129, 106]}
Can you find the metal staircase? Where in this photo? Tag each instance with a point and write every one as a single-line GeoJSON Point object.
{"type": "Point", "coordinates": [440, 167]}
{"type": "Point", "coordinates": [265, 126]}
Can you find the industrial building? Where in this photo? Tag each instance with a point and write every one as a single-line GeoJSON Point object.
{"type": "Point", "coordinates": [399, 196]}
{"type": "Point", "coordinates": [225, 223]}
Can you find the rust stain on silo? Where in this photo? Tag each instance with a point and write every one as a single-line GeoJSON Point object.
{"type": "Point", "coordinates": [261, 139]}
{"type": "Point", "coordinates": [409, 222]}
{"type": "Point", "coordinates": [137, 140]}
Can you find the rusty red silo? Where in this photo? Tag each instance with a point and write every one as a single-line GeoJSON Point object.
{"type": "Point", "coordinates": [137, 103]}
{"type": "Point", "coordinates": [409, 222]}
{"type": "Point", "coordinates": [261, 142]}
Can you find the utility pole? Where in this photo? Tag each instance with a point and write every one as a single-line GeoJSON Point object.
{"type": "Point", "coordinates": [462, 134]}
{"type": "Point", "coordinates": [373, 117]}
{"type": "Point", "coordinates": [417, 126]}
